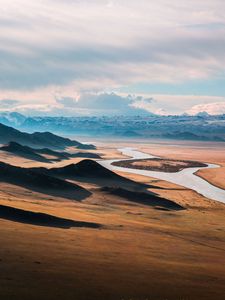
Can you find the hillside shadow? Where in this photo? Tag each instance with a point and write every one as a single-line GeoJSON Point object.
{"type": "Point", "coordinates": [119, 183]}
{"type": "Point", "coordinates": [41, 219]}
{"type": "Point", "coordinates": [41, 183]}
{"type": "Point", "coordinates": [33, 157]}
{"type": "Point", "coordinates": [144, 198]}
{"type": "Point", "coordinates": [89, 171]}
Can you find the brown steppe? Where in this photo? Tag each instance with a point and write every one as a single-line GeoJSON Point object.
{"type": "Point", "coordinates": [139, 253]}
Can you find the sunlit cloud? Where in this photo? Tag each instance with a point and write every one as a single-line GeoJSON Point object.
{"type": "Point", "coordinates": [51, 49]}
{"type": "Point", "coordinates": [216, 108]}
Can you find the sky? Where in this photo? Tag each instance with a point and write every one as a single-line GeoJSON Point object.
{"type": "Point", "coordinates": [87, 57]}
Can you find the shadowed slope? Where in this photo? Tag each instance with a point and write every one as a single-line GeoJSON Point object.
{"type": "Point", "coordinates": [67, 155]}
{"type": "Point", "coordinates": [85, 168]}
{"type": "Point", "coordinates": [41, 219]}
{"type": "Point", "coordinates": [144, 198]}
{"type": "Point", "coordinates": [23, 151]}
{"type": "Point", "coordinates": [43, 183]}
{"type": "Point", "coordinates": [36, 154]}
{"type": "Point", "coordinates": [86, 155]}
{"type": "Point", "coordinates": [91, 171]}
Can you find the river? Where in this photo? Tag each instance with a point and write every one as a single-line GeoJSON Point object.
{"type": "Point", "coordinates": [185, 177]}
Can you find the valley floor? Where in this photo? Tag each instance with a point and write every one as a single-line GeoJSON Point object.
{"type": "Point", "coordinates": [139, 252]}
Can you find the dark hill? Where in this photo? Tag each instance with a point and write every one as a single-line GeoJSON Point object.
{"type": "Point", "coordinates": [51, 140]}
{"type": "Point", "coordinates": [91, 171]}
{"type": "Point", "coordinates": [57, 154]}
{"type": "Point", "coordinates": [23, 151]}
{"type": "Point", "coordinates": [38, 139]}
{"type": "Point", "coordinates": [86, 155]}
{"type": "Point", "coordinates": [44, 183]}
{"type": "Point", "coordinates": [51, 181]}
{"type": "Point", "coordinates": [85, 168]}
{"type": "Point", "coordinates": [67, 155]}
{"type": "Point", "coordinates": [34, 154]}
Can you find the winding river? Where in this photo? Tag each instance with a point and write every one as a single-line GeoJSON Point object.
{"type": "Point", "coordinates": [185, 177]}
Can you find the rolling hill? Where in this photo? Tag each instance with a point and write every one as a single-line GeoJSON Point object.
{"type": "Point", "coordinates": [38, 139]}
{"type": "Point", "coordinates": [37, 154]}
{"type": "Point", "coordinates": [39, 182]}
{"type": "Point", "coordinates": [23, 151]}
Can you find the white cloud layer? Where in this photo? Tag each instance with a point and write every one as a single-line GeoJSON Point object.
{"type": "Point", "coordinates": [68, 48]}
{"type": "Point", "coordinates": [115, 104]}
{"type": "Point", "coordinates": [216, 108]}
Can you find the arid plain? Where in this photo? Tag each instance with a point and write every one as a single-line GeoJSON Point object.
{"type": "Point", "coordinates": [126, 249]}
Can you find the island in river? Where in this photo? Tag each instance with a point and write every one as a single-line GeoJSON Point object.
{"type": "Point", "coordinates": [159, 164]}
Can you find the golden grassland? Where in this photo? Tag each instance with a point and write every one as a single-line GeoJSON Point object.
{"type": "Point", "coordinates": [139, 252]}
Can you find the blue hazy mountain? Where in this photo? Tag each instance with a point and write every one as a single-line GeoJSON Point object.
{"type": "Point", "coordinates": [201, 127]}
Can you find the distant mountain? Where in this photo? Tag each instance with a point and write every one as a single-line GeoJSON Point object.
{"type": "Point", "coordinates": [128, 134]}
{"type": "Point", "coordinates": [38, 139]}
{"type": "Point", "coordinates": [191, 136]}
{"type": "Point", "coordinates": [202, 114]}
{"type": "Point", "coordinates": [203, 127]}
{"type": "Point", "coordinates": [12, 118]}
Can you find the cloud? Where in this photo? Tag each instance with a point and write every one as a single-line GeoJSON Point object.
{"type": "Point", "coordinates": [80, 104]}
{"type": "Point", "coordinates": [66, 101]}
{"type": "Point", "coordinates": [104, 104]}
{"type": "Point", "coordinates": [8, 103]}
{"type": "Point", "coordinates": [216, 108]}
{"type": "Point", "coordinates": [59, 42]}
{"type": "Point", "coordinates": [164, 104]}
{"type": "Point", "coordinates": [62, 49]}
{"type": "Point", "coordinates": [143, 103]}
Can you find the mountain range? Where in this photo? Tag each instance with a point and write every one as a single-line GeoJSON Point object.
{"type": "Point", "coordinates": [201, 127]}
